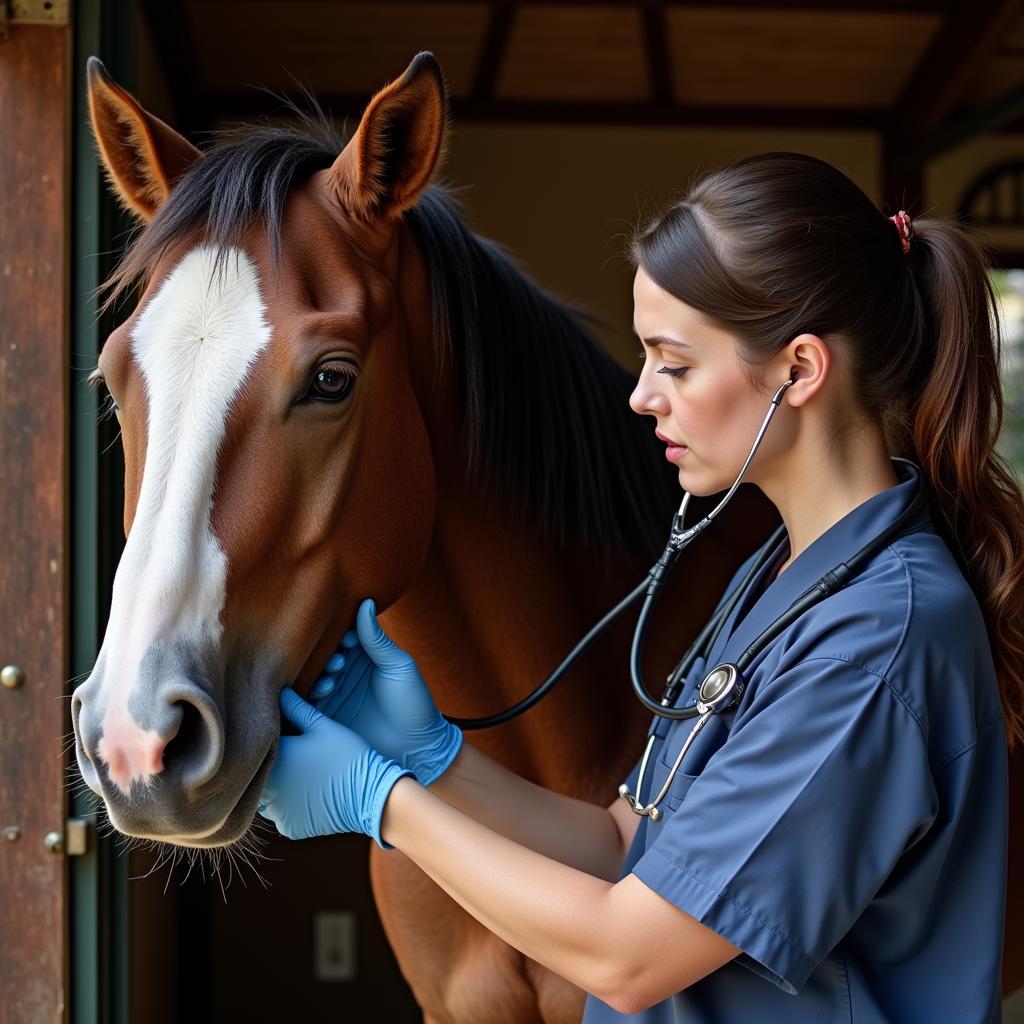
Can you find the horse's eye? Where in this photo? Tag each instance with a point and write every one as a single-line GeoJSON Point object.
{"type": "Point", "coordinates": [332, 382]}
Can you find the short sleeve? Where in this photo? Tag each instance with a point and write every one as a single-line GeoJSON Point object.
{"type": "Point", "coordinates": [797, 819]}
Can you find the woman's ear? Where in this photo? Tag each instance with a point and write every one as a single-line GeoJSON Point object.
{"type": "Point", "coordinates": [389, 161]}
{"type": "Point", "coordinates": [143, 156]}
{"type": "Point", "coordinates": [809, 361]}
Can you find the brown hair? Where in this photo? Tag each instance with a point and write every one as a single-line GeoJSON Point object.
{"type": "Point", "coordinates": [781, 244]}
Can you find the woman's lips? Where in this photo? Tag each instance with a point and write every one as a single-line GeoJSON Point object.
{"type": "Point", "coordinates": [674, 451]}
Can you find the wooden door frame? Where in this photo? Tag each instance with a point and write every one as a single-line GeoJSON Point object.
{"type": "Point", "coordinates": [35, 126]}
{"type": "Point", "coordinates": [65, 954]}
{"type": "Point", "coordinates": [99, 954]}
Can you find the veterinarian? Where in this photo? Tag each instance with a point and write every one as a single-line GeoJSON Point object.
{"type": "Point", "coordinates": [830, 845]}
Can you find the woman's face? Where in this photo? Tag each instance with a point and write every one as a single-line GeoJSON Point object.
{"type": "Point", "coordinates": [693, 384]}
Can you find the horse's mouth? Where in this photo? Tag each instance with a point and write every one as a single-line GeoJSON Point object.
{"type": "Point", "coordinates": [240, 817]}
{"type": "Point", "coordinates": [231, 827]}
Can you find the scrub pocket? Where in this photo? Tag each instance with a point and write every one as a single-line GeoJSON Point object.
{"type": "Point", "coordinates": [677, 788]}
{"type": "Point", "coordinates": [710, 740]}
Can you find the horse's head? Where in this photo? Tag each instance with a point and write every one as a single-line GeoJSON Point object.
{"type": "Point", "coordinates": [277, 465]}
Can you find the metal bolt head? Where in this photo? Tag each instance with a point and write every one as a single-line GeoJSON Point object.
{"type": "Point", "coordinates": [54, 842]}
{"type": "Point", "coordinates": [12, 677]}
{"type": "Point", "coordinates": [12, 833]}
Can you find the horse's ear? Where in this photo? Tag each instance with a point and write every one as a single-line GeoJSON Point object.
{"type": "Point", "coordinates": [143, 156]}
{"type": "Point", "coordinates": [389, 161]}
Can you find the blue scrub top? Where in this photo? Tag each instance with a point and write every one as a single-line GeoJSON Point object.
{"type": "Point", "coordinates": [846, 825]}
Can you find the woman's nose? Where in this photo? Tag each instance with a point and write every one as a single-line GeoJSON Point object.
{"type": "Point", "coordinates": [648, 399]}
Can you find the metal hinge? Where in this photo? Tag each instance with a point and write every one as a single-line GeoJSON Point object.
{"type": "Point", "coordinates": [32, 12]}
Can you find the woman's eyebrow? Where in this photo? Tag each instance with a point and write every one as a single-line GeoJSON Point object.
{"type": "Point", "coordinates": [659, 339]}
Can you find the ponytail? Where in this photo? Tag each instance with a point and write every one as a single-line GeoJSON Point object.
{"type": "Point", "coordinates": [954, 424]}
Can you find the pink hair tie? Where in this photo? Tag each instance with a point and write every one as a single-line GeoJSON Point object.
{"type": "Point", "coordinates": [905, 228]}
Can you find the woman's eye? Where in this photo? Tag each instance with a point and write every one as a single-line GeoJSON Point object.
{"type": "Point", "coordinates": [332, 382]}
{"type": "Point", "coordinates": [674, 371]}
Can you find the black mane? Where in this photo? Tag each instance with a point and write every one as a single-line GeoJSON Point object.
{"type": "Point", "coordinates": [548, 432]}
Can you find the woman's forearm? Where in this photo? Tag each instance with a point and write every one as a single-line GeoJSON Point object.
{"type": "Point", "coordinates": [597, 934]}
{"type": "Point", "coordinates": [552, 912]}
{"type": "Point", "coordinates": [574, 832]}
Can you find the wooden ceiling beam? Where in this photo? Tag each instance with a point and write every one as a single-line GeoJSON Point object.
{"type": "Point", "coordinates": [492, 52]}
{"type": "Point", "coordinates": [878, 6]}
{"type": "Point", "coordinates": [952, 61]}
{"type": "Point", "coordinates": [1002, 112]}
{"type": "Point", "coordinates": [875, 6]}
{"type": "Point", "coordinates": [659, 65]}
{"type": "Point", "coordinates": [238, 106]}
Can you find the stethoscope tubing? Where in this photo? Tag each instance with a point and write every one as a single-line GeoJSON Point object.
{"type": "Point", "coordinates": [706, 707]}
{"type": "Point", "coordinates": [501, 717]}
{"type": "Point", "coordinates": [830, 583]}
{"type": "Point", "coordinates": [650, 587]}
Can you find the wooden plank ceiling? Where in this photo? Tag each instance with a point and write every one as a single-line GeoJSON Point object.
{"type": "Point", "coordinates": [901, 65]}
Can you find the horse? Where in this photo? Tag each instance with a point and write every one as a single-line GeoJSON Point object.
{"type": "Point", "coordinates": [329, 388]}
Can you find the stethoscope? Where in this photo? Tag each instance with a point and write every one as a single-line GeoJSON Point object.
{"type": "Point", "coordinates": [723, 686]}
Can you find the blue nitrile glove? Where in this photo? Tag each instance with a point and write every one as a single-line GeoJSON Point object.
{"type": "Point", "coordinates": [375, 688]}
{"type": "Point", "coordinates": [326, 780]}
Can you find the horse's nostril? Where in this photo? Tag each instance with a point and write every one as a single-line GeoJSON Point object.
{"type": "Point", "coordinates": [189, 734]}
{"type": "Point", "coordinates": [195, 748]}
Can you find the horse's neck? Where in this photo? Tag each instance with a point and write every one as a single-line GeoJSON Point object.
{"type": "Point", "coordinates": [491, 615]}
{"type": "Point", "coordinates": [495, 609]}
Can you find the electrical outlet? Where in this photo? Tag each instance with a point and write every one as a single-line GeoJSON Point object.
{"type": "Point", "coordinates": [334, 945]}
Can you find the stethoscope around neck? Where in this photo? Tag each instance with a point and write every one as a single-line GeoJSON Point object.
{"type": "Point", "coordinates": [723, 686]}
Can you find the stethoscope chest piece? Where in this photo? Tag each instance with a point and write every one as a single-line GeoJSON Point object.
{"type": "Point", "coordinates": [720, 689]}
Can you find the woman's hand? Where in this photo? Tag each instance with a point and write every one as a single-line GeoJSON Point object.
{"type": "Point", "coordinates": [375, 689]}
{"type": "Point", "coordinates": [327, 779]}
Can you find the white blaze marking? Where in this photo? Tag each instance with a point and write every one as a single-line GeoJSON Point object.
{"type": "Point", "coordinates": [194, 343]}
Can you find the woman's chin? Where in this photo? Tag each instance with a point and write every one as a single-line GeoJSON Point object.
{"type": "Point", "coordinates": [691, 481]}
{"type": "Point", "coordinates": [696, 483]}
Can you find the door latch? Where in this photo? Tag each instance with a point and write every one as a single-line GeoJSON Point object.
{"type": "Point", "coordinates": [74, 841]}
